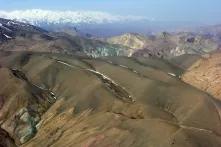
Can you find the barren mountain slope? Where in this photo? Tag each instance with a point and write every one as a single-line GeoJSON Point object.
{"type": "Point", "coordinates": [132, 40]}
{"type": "Point", "coordinates": [185, 61]}
{"type": "Point", "coordinates": [205, 74]}
{"type": "Point", "coordinates": [59, 100]}
{"type": "Point", "coordinates": [17, 36]}
{"type": "Point", "coordinates": [167, 45]}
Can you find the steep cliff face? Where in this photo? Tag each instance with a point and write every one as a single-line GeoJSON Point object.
{"type": "Point", "coordinates": [205, 74]}
{"type": "Point", "coordinates": [59, 100]}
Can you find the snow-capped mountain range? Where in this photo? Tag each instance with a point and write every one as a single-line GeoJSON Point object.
{"type": "Point", "coordinates": [93, 23]}
{"type": "Point", "coordinates": [38, 17]}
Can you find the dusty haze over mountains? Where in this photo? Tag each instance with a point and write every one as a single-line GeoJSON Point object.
{"type": "Point", "coordinates": [110, 73]}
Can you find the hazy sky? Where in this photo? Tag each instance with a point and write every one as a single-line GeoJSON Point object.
{"type": "Point", "coordinates": [204, 11]}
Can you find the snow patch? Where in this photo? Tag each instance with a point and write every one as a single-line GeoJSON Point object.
{"type": "Point", "coordinates": [9, 37]}
{"type": "Point", "coordinates": [172, 74]}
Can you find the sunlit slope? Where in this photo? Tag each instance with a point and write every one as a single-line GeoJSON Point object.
{"type": "Point", "coordinates": [205, 74]}
{"type": "Point", "coordinates": [103, 102]}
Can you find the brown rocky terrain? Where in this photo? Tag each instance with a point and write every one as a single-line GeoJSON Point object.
{"type": "Point", "coordinates": [18, 36]}
{"type": "Point", "coordinates": [62, 100]}
{"type": "Point", "coordinates": [53, 95]}
{"type": "Point", "coordinates": [205, 74]}
{"type": "Point", "coordinates": [131, 40]}
{"type": "Point", "coordinates": [5, 139]}
{"type": "Point", "coordinates": [167, 45]}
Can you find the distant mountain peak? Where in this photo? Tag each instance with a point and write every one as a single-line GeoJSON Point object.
{"type": "Point", "coordinates": [39, 16]}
